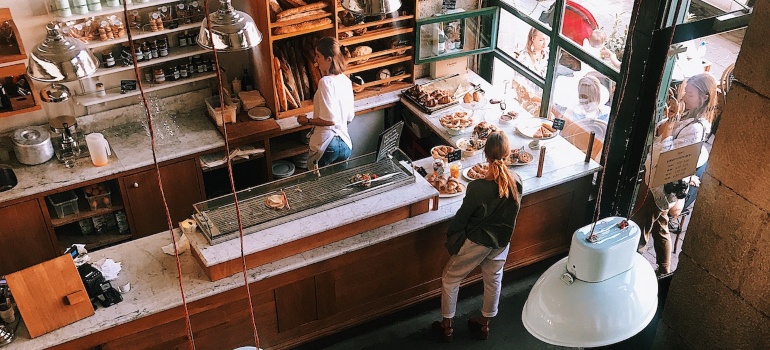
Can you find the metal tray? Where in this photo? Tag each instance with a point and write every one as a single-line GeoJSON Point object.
{"type": "Point", "coordinates": [307, 193]}
{"type": "Point", "coordinates": [429, 110]}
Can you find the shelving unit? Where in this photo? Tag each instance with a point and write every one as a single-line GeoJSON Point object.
{"type": "Point", "coordinates": [176, 54]}
{"type": "Point", "coordinates": [265, 52]}
{"type": "Point", "coordinates": [143, 35]}
{"type": "Point", "coordinates": [14, 51]}
{"type": "Point", "coordinates": [112, 10]}
{"type": "Point", "coordinates": [114, 93]}
{"type": "Point", "coordinates": [287, 146]}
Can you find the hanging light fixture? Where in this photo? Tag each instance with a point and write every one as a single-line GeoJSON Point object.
{"type": "Point", "coordinates": [371, 7]}
{"type": "Point", "coordinates": [604, 292]}
{"type": "Point", "coordinates": [232, 30]}
{"type": "Point", "coordinates": [59, 58]}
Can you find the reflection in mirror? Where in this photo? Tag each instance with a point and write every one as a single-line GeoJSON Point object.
{"type": "Point", "coordinates": [454, 36]}
{"type": "Point", "coordinates": [524, 43]}
{"type": "Point", "coordinates": [522, 90]}
{"type": "Point", "coordinates": [541, 11]}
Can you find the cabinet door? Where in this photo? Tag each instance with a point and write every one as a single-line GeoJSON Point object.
{"type": "Point", "coordinates": [24, 237]}
{"type": "Point", "coordinates": [182, 190]}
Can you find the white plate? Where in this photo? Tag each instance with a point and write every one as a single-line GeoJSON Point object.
{"type": "Point", "coordinates": [528, 127]}
{"type": "Point", "coordinates": [520, 163]}
{"type": "Point", "coordinates": [442, 195]}
{"type": "Point", "coordinates": [259, 113]}
{"type": "Point", "coordinates": [465, 174]}
{"type": "Point", "coordinates": [462, 141]}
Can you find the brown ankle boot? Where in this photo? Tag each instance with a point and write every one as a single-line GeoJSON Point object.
{"type": "Point", "coordinates": [445, 333]}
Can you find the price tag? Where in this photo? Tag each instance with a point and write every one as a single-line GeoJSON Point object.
{"type": "Point", "coordinates": [420, 170]}
{"type": "Point", "coordinates": [127, 85]}
{"type": "Point", "coordinates": [389, 141]}
{"type": "Point", "coordinates": [558, 124]}
{"type": "Point", "coordinates": [449, 4]}
{"type": "Point", "coordinates": [454, 156]}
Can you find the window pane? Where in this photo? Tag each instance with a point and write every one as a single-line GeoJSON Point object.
{"type": "Point", "coordinates": [528, 94]}
{"type": "Point", "coordinates": [599, 26]}
{"type": "Point", "coordinates": [709, 8]}
{"type": "Point", "coordinates": [524, 43]}
{"type": "Point", "coordinates": [541, 11]}
{"type": "Point", "coordinates": [583, 97]}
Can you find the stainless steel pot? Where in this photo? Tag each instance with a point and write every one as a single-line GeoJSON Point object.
{"type": "Point", "coordinates": [32, 145]}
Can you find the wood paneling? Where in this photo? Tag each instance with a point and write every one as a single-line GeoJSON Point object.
{"type": "Point", "coordinates": [181, 187]}
{"type": "Point", "coordinates": [295, 304]}
{"type": "Point", "coordinates": [24, 237]}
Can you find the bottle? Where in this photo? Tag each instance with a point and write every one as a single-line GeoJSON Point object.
{"type": "Point", "coordinates": [163, 46]}
{"type": "Point", "coordinates": [236, 86]}
{"type": "Point", "coordinates": [154, 49]}
{"type": "Point", "coordinates": [175, 73]}
{"type": "Point", "coordinates": [199, 64]}
{"type": "Point", "coordinates": [182, 39]}
{"type": "Point", "coordinates": [109, 59]}
{"type": "Point", "coordinates": [146, 51]}
{"type": "Point", "coordinates": [125, 55]}
{"type": "Point", "coordinates": [246, 82]}
{"type": "Point", "coordinates": [702, 50]}
{"type": "Point", "coordinates": [183, 73]}
{"type": "Point", "coordinates": [5, 102]}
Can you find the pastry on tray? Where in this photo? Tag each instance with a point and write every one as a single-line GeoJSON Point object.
{"type": "Point", "coordinates": [542, 132]}
{"type": "Point", "coordinates": [518, 156]}
{"type": "Point", "coordinates": [478, 171]}
{"type": "Point", "coordinates": [483, 130]}
{"type": "Point", "coordinates": [445, 184]}
{"type": "Point", "coordinates": [275, 201]}
{"type": "Point", "coordinates": [456, 121]}
{"type": "Point", "coordinates": [363, 180]}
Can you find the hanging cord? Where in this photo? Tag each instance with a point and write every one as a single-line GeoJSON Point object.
{"type": "Point", "coordinates": [606, 152]}
{"type": "Point", "coordinates": [230, 174]}
{"type": "Point", "coordinates": [188, 328]}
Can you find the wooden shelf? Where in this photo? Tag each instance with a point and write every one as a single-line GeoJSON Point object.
{"type": "Point", "coordinates": [383, 81]}
{"type": "Point", "coordinates": [301, 32]}
{"type": "Point", "coordinates": [234, 162]}
{"type": "Point", "coordinates": [143, 35]}
{"type": "Point", "coordinates": [377, 63]}
{"type": "Point", "coordinates": [175, 54]}
{"type": "Point", "coordinates": [114, 94]}
{"type": "Point", "coordinates": [12, 53]}
{"type": "Point", "coordinates": [351, 61]}
{"type": "Point", "coordinates": [374, 91]}
{"type": "Point", "coordinates": [383, 21]}
{"type": "Point", "coordinates": [84, 214]}
{"type": "Point", "coordinates": [306, 107]}
{"type": "Point", "coordinates": [110, 10]}
{"type": "Point", "coordinates": [287, 146]}
{"type": "Point", "coordinates": [93, 241]}
{"type": "Point", "coordinates": [299, 20]}
{"type": "Point", "coordinates": [376, 34]}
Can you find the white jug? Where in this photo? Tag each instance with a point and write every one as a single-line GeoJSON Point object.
{"type": "Point", "coordinates": [99, 149]}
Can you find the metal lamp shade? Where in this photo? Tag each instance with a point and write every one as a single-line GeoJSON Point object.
{"type": "Point", "coordinates": [371, 7]}
{"type": "Point", "coordinates": [59, 58]}
{"type": "Point", "coordinates": [232, 30]}
{"type": "Point", "coordinates": [603, 293]}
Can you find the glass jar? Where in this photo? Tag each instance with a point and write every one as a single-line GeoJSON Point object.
{"type": "Point", "coordinates": [108, 58]}
{"type": "Point", "coordinates": [160, 75]}
{"type": "Point", "coordinates": [197, 63]}
{"type": "Point", "coordinates": [154, 49]}
{"type": "Point", "coordinates": [175, 73]}
{"type": "Point", "coordinates": [146, 51]}
{"type": "Point", "coordinates": [163, 46]}
{"type": "Point", "coordinates": [182, 39]}
{"type": "Point", "coordinates": [138, 52]}
{"type": "Point", "coordinates": [149, 75]}
{"type": "Point", "coordinates": [100, 91]}
{"type": "Point", "coordinates": [183, 73]}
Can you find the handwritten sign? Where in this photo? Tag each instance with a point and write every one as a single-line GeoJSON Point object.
{"type": "Point", "coordinates": [558, 124]}
{"type": "Point", "coordinates": [454, 156]}
{"type": "Point", "coordinates": [448, 4]}
{"type": "Point", "coordinates": [127, 85]}
{"type": "Point", "coordinates": [676, 164]}
{"type": "Point", "coordinates": [389, 141]}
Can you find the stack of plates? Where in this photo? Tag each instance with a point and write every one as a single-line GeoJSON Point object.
{"type": "Point", "coordinates": [282, 169]}
{"type": "Point", "coordinates": [300, 160]}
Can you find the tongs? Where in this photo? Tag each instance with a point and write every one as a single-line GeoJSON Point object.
{"type": "Point", "coordinates": [383, 177]}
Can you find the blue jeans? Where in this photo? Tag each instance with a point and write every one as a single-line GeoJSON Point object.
{"type": "Point", "coordinates": [337, 151]}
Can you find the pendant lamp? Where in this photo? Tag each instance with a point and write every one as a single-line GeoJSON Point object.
{"type": "Point", "coordinates": [371, 7]}
{"type": "Point", "coordinates": [232, 30]}
{"type": "Point", "coordinates": [604, 292]}
{"type": "Point", "coordinates": [59, 58]}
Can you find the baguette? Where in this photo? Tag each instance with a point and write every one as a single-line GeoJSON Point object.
{"type": "Point", "coordinates": [303, 26]}
{"type": "Point", "coordinates": [302, 15]}
{"type": "Point", "coordinates": [279, 87]}
{"type": "Point", "coordinates": [290, 99]}
{"type": "Point", "coordinates": [550, 128]}
{"type": "Point", "coordinates": [297, 3]}
{"type": "Point", "coordinates": [314, 6]}
{"type": "Point", "coordinates": [275, 9]}
{"type": "Point", "coordinates": [289, 51]}
{"type": "Point", "coordinates": [289, 82]}
{"type": "Point", "coordinates": [302, 68]}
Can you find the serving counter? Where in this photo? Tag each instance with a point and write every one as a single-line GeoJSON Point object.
{"type": "Point", "coordinates": [307, 282]}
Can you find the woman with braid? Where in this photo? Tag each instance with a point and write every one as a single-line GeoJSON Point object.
{"type": "Point", "coordinates": [487, 216]}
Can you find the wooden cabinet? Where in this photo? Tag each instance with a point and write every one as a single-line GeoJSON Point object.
{"type": "Point", "coordinates": [182, 189]}
{"type": "Point", "coordinates": [24, 237]}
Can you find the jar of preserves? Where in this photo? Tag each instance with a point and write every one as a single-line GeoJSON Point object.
{"type": "Point", "coordinates": [108, 58]}
{"type": "Point", "coordinates": [160, 75]}
{"type": "Point", "coordinates": [183, 73]}
{"type": "Point", "coordinates": [146, 51]}
{"type": "Point", "coordinates": [163, 46]}
{"type": "Point", "coordinates": [154, 49]}
{"type": "Point", "coordinates": [138, 52]}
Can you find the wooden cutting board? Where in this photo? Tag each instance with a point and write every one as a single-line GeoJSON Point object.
{"type": "Point", "coordinates": [50, 295]}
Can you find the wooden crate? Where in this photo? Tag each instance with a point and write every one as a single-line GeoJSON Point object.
{"type": "Point", "coordinates": [27, 103]}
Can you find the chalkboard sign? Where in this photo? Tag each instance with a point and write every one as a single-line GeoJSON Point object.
{"type": "Point", "coordinates": [421, 171]}
{"type": "Point", "coordinates": [558, 124]}
{"type": "Point", "coordinates": [389, 141]}
{"type": "Point", "coordinates": [448, 4]}
{"type": "Point", "coordinates": [127, 85]}
{"type": "Point", "coordinates": [454, 156]}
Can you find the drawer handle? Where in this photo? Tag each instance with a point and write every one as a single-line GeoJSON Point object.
{"type": "Point", "coordinates": [136, 185]}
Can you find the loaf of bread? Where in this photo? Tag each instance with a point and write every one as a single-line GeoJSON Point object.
{"type": "Point", "coordinates": [301, 15]}
{"type": "Point", "coordinates": [275, 9]}
{"type": "Point", "coordinates": [303, 26]}
{"type": "Point", "coordinates": [361, 51]}
{"type": "Point", "coordinates": [279, 88]}
{"type": "Point", "coordinates": [314, 6]}
{"type": "Point", "coordinates": [296, 3]}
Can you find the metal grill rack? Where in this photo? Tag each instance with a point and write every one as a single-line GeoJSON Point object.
{"type": "Point", "coordinates": [310, 195]}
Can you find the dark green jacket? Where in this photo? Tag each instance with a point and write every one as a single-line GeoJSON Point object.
{"type": "Point", "coordinates": [481, 200]}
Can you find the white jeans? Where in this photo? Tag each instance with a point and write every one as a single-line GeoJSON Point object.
{"type": "Point", "coordinates": [461, 264]}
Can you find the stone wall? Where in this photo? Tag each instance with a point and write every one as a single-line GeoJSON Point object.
{"type": "Point", "coordinates": [720, 293]}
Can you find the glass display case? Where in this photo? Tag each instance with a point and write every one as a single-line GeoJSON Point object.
{"type": "Point", "coordinates": [456, 34]}
{"type": "Point", "coordinates": [301, 195]}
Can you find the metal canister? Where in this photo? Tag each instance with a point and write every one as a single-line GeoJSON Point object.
{"type": "Point", "coordinates": [32, 145]}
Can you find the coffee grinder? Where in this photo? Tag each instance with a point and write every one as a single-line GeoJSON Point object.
{"type": "Point", "coordinates": [68, 143]}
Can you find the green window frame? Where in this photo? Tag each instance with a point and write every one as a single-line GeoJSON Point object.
{"type": "Point", "coordinates": [491, 17]}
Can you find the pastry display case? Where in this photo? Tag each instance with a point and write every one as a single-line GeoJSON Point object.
{"type": "Point", "coordinates": [301, 195]}
{"type": "Point", "coordinates": [456, 34]}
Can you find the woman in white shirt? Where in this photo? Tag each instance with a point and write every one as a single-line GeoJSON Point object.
{"type": "Point", "coordinates": [332, 106]}
{"type": "Point", "coordinates": [699, 102]}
